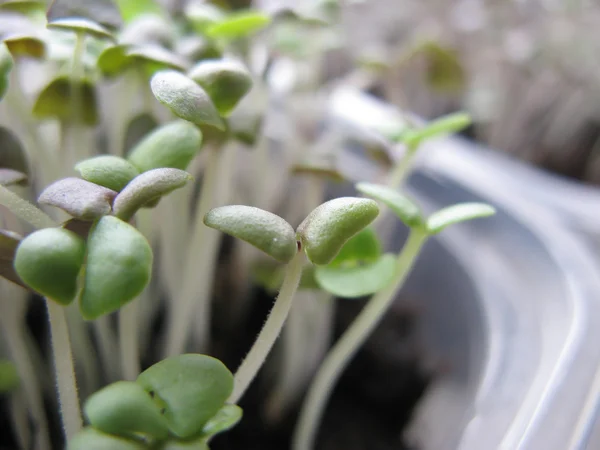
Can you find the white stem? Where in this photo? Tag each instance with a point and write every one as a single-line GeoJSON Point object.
{"type": "Point", "coordinates": [350, 342]}
{"type": "Point", "coordinates": [17, 346]}
{"type": "Point", "coordinates": [212, 239]}
{"type": "Point", "coordinates": [130, 357]}
{"type": "Point", "coordinates": [83, 350]}
{"type": "Point", "coordinates": [65, 371]}
{"type": "Point", "coordinates": [18, 413]}
{"type": "Point", "coordinates": [271, 329]}
{"type": "Point", "coordinates": [182, 312]}
{"type": "Point", "coordinates": [25, 210]}
{"type": "Point", "coordinates": [107, 345]}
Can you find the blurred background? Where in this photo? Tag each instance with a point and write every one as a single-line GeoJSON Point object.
{"type": "Point", "coordinates": [526, 70]}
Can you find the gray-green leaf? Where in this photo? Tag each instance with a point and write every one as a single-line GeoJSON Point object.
{"type": "Point", "coordinates": [80, 198]}
{"type": "Point", "coordinates": [185, 98]}
{"type": "Point", "coordinates": [225, 81]}
{"type": "Point", "coordinates": [147, 187]}
{"type": "Point", "coordinates": [266, 231]}
{"type": "Point", "coordinates": [328, 227]}
{"type": "Point", "coordinates": [172, 145]}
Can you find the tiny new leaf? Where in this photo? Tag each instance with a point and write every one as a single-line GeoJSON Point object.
{"type": "Point", "coordinates": [191, 388]}
{"type": "Point", "coordinates": [402, 206]}
{"type": "Point", "coordinates": [456, 214]}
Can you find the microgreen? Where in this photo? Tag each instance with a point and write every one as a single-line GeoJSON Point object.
{"type": "Point", "coordinates": [114, 174]}
{"type": "Point", "coordinates": [396, 273]}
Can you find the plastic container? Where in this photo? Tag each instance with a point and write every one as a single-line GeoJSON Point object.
{"type": "Point", "coordinates": [511, 305]}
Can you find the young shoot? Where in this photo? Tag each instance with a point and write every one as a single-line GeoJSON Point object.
{"type": "Point", "coordinates": [354, 337]}
{"type": "Point", "coordinates": [320, 236]}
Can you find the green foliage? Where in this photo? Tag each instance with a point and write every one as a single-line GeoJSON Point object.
{"type": "Point", "coordinates": [12, 153]}
{"type": "Point", "coordinates": [353, 281]}
{"type": "Point", "coordinates": [185, 98]}
{"type": "Point", "coordinates": [9, 377]}
{"type": "Point", "coordinates": [226, 418]}
{"type": "Point", "coordinates": [327, 228]}
{"type": "Point", "coordinates": [119, 264]}
{"type": "Point", "coordinates": [125, 408]}
{"type": "Point", "coordinates": [49, 261]}
{"type": "Point", "coordinates": [225, 81]}
{"type": "Point", "coordinates": [266, 231]}
{"type": "Point", "coordinates": [92, 439]}
{"type": "Point", "coordinates": [80, 198]}
{"type": "Point", "coordinates": [190, 388]}
{"type": "Point", "coordinates": [109, 171]}
{"type": "Point", "coordinates": [171, 145]}
{"type": "Point", "coordinates": [456, 214]}
{"type": "Point", "coordinates": [406, 210]}
{"type": "Point", "coordinates": [55, 100]}
{"type": "Point", "coordinates": [146, 189]}
{"type": "Point", "coordinates": [26, 45]}
{"type": "Point", "coordinates": [238, 25]}
{"type": "Point", "coordinates": [131, 9]}
{"type": "Point", "coordinates": [450, 124]}
{"type": "Point", "coordinates": [81, 25]}
{"type": "Point", "coordinates": [6, 64]}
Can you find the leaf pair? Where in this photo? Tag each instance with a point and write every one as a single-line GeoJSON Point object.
{"type": "Point", "coordinates": [118, 263]}
{"type": "Point", "coordinates": [409, 213]}
{"type": "Point", "coordinates": [178, 400]}
{"type": "Point", "coordinates": [321, 235]}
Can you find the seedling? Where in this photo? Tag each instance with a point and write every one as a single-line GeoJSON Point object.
{"type": "Point", "coordinates": [320, 236]}
{"type": "Point", "coordinates": [421, 228]}
{"type": "Point", "coordinates": [133, 99]}
{"type": "Point", "coordinates": [176, 403]}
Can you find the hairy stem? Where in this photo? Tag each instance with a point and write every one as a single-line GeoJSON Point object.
{"type": "Point", "coordinates": [128, 338]}
{"type": "Point", "coordinates": [25, 210]}
{"type": "Point", "coordinates": [107, 345]}
{"type": "Point", "coordinates": [65, 371]}
{"type": "Point", "coordinates": [271, 329]}
{"type": "Point", "coordinates": [355, 336]}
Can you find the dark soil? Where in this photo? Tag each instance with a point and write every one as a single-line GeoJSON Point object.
{"type": "Point", "coordinates": [371, 404]}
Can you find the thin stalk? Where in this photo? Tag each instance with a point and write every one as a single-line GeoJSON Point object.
{"type": "Point", "coordinates": [18, 413]}
{"type": "Point", "coordinates": [25, 210]}
{"type": "Point", "coordinates": [271, 329]}
{"type": "Point", "coordinates": [65, 371]}
{"type": "Point", "coordinates": [107, 345]}
{"type": "Point", "coordinates": [83, 350]}
{"type": "Point", "coordinates": [401, 170]}
{"type": "Point", "coordinates": [128, 338]}
{"type": "Point", "coordinates": [350, 342]}
{"type": "Point", "coordinates": [20, 109]}
{"type": "Point", "coordinates": [77, 147]}
{"type": "Point", "coordinates": [305, 339]}
{"type": "Point", "coordinates": [309, 319]}
{"type": "Point", "coordinates": [14, 335]}
{"type": "Point", "coordinates": [197, 262]}
{"type": "Point", "coordinates": [212, 242]}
